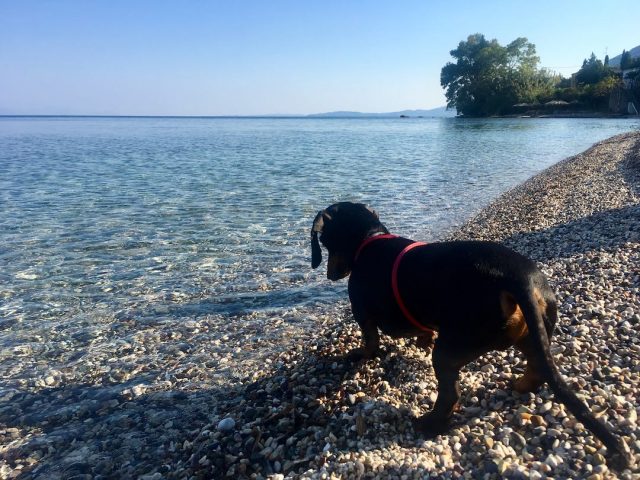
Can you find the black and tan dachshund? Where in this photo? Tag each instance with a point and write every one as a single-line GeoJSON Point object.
{"type": "Point", "coordinates": [478, 296]}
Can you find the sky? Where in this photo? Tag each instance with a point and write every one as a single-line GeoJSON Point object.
{"type": "Point", "coordinates": [261, 57]}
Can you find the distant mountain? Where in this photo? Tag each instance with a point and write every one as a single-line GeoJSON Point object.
{"type": "Point", "coordinates": [615, 61]}
{"type": "Point", "coordinates": [434, 112]}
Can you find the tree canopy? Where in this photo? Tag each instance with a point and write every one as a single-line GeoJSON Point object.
{"type": "Point", "coordinates": [627, 61]}
{"type": "Point", "coordinates": [593, 71]}
{"type": "Point", "coordinates": [488, 78]}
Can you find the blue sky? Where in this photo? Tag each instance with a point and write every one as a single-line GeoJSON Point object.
{"type": "Point", "coordinates": [255, 57]}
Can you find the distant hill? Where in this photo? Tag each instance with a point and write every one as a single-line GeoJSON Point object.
{"type": "Point", "coordinates": [615, 61]}
{"type": "Point", "coordinates": [433, 113]}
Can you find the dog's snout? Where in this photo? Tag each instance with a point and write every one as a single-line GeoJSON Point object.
{"type": "Point", "coordinates": [336, 275]}
{"type": "Point", "coordinates": [337, 267]}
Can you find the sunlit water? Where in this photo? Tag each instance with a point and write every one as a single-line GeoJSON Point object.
{"type": "Point", "coordinates": [165, 218]}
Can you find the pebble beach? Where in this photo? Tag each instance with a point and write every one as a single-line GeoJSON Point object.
{"type": "Point", "coordinates": [262, 397]}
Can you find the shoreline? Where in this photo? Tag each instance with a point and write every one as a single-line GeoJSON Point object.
{"type": "Point", "coordinates": [559, 114]}
{"type": "Point", "coordinates": [303, 414]}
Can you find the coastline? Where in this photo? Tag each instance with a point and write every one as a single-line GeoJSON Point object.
{"type": "Point", "coordinates": [301, 413]}
{"type": "Point", "coordinates": [570, 115]}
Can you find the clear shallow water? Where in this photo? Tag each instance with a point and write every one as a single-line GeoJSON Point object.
{"type": "Point", "coordinates": [161, 219]}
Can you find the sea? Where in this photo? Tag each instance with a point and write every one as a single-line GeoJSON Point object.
{"type": "Point", "coordinates": [179, 218]}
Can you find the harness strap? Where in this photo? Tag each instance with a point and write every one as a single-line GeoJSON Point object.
{"type": "Point", "coordinates": [394, 276]}
{"type": "Point", "coordinates": [396, 290]}
{"type": "Point", "coordinates": [367, 241]}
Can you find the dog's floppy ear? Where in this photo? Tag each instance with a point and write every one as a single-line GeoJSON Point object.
{"type": "Point", "coordinates": [318, 225]}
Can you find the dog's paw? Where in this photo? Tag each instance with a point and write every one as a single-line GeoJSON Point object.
{"type": "Point", "coordinates": [527, 383]}
{"type": "Point", "coordinates": [430, 425]}
{"type": "Point", "coordinates": [358, 354]}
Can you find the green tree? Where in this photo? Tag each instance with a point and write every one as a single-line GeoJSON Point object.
{"type": "Point", "coordinates": [468, 81]}
{"type": "Point", "coordinates": [625, 60]}
{"type": "Point", "coordinates": [592, 71]}
{"type": "Point", "coordinates": [488, 78]}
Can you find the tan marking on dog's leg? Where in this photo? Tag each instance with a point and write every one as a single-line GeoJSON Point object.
{"type": "Point", "coordinates": [542, 304]}
{"type": "Point", "coordinates": [515, 325]}
{"type": "Point", "coordinates": [507, 303]}
{"type": "Point", "coordinates": [518, 333]}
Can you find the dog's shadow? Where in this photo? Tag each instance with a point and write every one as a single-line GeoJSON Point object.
{"type": "Point", "coordinates": [311, 407]}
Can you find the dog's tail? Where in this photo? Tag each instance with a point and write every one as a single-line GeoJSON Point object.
{"type": "Point", "coordinates": [527, 298]}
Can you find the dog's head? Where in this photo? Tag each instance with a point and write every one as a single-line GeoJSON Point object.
{"type": "Point", "coordinates": [342, 228]}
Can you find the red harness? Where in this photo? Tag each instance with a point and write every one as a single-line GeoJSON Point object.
{"type": "Point", "coordinates": [394, 276]}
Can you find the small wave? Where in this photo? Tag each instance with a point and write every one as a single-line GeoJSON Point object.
{"type": "Point", "coordinates": [26, 275]}
{"type": "Point", "coordinates": [257, 228]}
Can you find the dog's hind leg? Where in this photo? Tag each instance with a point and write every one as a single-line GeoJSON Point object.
{"type": "Point", "coordinates": [447, 365]}
{"type": "Point", "coordinates": [533, 376]}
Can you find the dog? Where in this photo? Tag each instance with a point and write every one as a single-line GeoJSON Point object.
{"type": "Point", "coordinates": [474, 296]}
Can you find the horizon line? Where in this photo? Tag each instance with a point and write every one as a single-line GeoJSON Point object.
{"type": "Point", "coordinates": [341, 113]}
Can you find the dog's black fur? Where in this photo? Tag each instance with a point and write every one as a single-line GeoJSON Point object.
{"type": "Point", "coordinates": [478, 296]}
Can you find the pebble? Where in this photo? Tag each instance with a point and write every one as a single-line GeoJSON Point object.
{"type": "Point", "coordinates": [226, 424]}
{"type": "Point", "coordinates": [553, 460]}
{"type": "Point", "coordinates": [537, 420]}
{"type": "Point", "coordinates": [545, 407]}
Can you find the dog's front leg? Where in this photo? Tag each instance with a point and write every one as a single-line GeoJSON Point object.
{"type": "Point", "coordinates": [370, 339]}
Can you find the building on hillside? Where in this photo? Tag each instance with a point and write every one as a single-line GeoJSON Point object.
{"type": "Point", "coordinates": [627, 100]}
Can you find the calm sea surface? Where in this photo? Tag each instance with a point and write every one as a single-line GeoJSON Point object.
{"type": "Point", "coordinates": [181, 217]}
